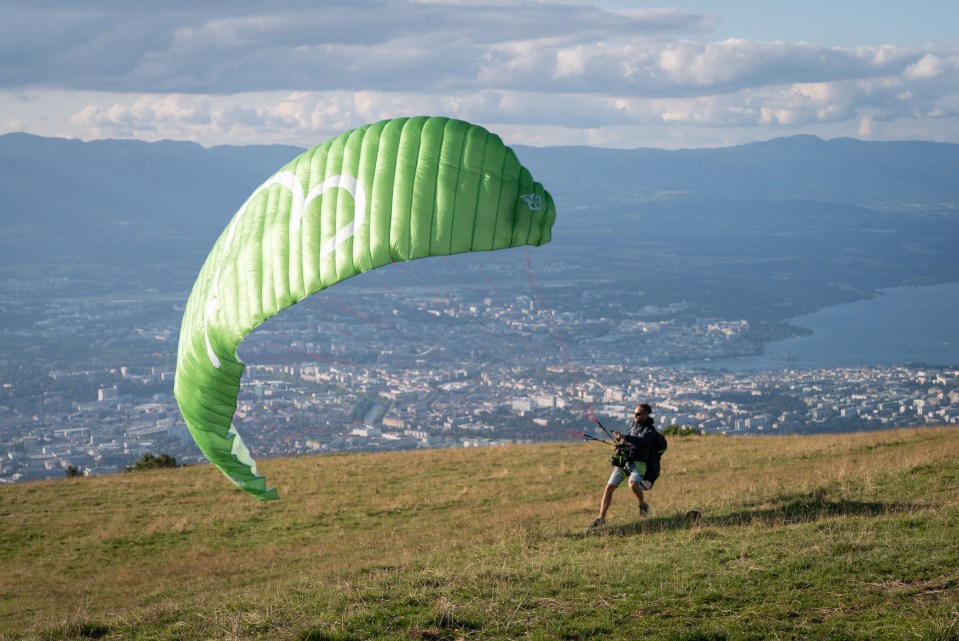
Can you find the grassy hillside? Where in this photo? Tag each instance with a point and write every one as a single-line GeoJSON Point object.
{"type": "Point", "coordinates": [833, 537]}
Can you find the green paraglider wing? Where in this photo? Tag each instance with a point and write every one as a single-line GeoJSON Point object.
{"type": "Point", "coordinates": [390, 191]}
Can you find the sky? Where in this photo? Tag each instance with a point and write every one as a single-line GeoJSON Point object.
{"type": "Point", "coordinates": [611, 73]}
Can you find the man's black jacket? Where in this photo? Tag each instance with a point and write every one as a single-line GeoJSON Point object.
{"type": "Point", "coordinates": [646, 446]}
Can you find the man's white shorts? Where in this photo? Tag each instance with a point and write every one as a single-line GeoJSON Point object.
{"type": "Point", "coordinates": [635, 475]}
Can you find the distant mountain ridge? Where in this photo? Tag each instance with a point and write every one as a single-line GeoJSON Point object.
{"type": "Point", "coordinates": [54, 180]}
{"type": "Point", "coordinates": [794, 168]}
{"type": "Point", "coordinates": [132, 203]}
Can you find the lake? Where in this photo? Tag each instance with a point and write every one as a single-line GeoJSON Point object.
{"type": "Point", "coordinates": [904, 325]}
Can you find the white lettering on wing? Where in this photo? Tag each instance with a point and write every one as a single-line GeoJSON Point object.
{"type": "Point", "coordinates": [297, 207]}
{"type": "Point", "coordinates": [533, 201]}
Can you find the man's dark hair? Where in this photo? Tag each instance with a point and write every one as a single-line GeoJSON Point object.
{"type": "Point", "coordinates": [644, 407]}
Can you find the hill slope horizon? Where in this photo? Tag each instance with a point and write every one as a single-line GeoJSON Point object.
{"type": "Point", "coordinates": [849, 536]}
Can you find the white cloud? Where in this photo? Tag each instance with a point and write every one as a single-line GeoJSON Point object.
{"type": "Point", "coordinates": [299, 71]}
{"type": "Point", "coordinates": [932, 66]}
{"type": "Point", "coordinates": [282, 46]}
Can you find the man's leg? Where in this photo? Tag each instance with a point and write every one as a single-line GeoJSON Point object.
{"type": "Point", "coordinates": [638, 491]}
{"type": "Point", "coordinates": [607, 499]}
{"type": "Point", "coordinates": [615, 478]}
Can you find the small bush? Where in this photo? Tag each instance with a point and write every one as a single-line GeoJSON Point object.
{"type": "Point", "coordinates": [676, 430]}
{"type": "Point", "coordinates": [150, 462]}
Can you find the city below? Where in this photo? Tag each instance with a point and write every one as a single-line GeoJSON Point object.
{"type": "Point", "coordinates": [390, 369]}
{"type": "Point", "coordinates": [672, 278]}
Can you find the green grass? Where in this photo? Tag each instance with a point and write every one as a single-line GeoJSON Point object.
{"type": "Point", "coordinates": [820, 537]}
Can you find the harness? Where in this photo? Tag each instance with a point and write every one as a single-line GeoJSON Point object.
{"type": "Point", "coordinates": [620, 457]}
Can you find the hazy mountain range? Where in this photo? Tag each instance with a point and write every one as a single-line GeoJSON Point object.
{"type": "Point", "coordinates": [800, 218]}
{"type": "Point", "coordinates": [795, 168]}
{"type": "Point", "coordinates": [53, 181]}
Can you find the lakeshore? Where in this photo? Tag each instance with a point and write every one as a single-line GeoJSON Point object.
{"type": "Point", "coordinates": [900, 326]}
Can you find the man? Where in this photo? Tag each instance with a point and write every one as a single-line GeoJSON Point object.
{"type": "Point", "coordinates": [644, 444]}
